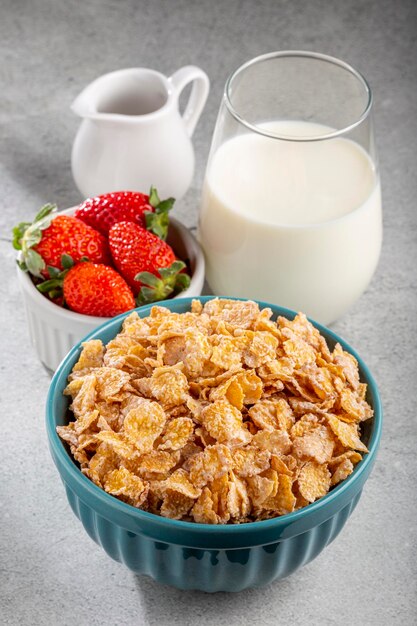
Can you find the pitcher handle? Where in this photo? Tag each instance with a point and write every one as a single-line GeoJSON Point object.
{"type": "Point", "coordinates": [198, 96]}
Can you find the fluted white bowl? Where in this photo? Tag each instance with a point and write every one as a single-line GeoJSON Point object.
{"type": "Point", "coordinates": [54, 330]}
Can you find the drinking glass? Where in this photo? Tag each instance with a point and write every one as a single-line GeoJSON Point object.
{"type": "Point", "coordinates": [291, 203]}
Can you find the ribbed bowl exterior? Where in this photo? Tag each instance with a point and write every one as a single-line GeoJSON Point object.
{"type": "Point", "coordinates": [201, 556]}
{"type": "Point", "coordinates": [208, 570]}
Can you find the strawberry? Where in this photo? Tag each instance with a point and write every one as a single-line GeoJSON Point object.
{"type": "Point", "coordinates": [90, 288]}
{"type": "Point", "coordinates": [102, 212]}
{"type": "Point", "coordinates": [43, 242]}
{"type": "Point", "coordinates": [146, 262]}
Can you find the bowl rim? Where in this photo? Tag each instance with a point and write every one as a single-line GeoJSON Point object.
{"type": "Point", "coordinates": [220, 531]}
{"type": "Point", "coordinates": [49, 307]}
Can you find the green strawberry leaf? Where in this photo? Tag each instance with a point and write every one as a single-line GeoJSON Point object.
{"type": "Point", "coordinates": [53, 272]}
{"type": "Point", "coordinates": [26, 236]}
{"type": "Point", "coordinates": [157, 224]}
{"type": "Point", "coordinates": [153, 197]}
{"type": "Point", "coordinates": [172, 270]}
{"type": "Point", "coordinates": [147, 278]}
{"type": "Point", "coordinates": [55, 293]}
{"type": "Point", "coordinates": [18, 232]}
{"type": "Point", "coordinates": [53, 287]}
{"type": "Point", "coordinates": [152, 293]}
{"type": "Point", "coordinates": [47, 285]}
{"type": "Point", "coordinates": [34, 262]}
{"type": "Point", "coordinates": [182, 283]}
{"type": "Point", "coordinates": [32, 237]}
{"type": "Point", "coordinates": [67, 261]}
{"type": "Point", "coordinates": [146, 295]}
{"type": "Point", "coordinates": [165, 205]}
{"type": "Point", "coordinates": [22, 265]}
{"type": "Point", "coordinates": [47, 209]}
{"type": "Point", "coordinates": [171, 281]}
{"type": "Point", "coordinates": [157, 221]}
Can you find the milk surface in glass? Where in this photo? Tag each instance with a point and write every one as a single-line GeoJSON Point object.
{"type": "Point", "coordinates": [294, 223]}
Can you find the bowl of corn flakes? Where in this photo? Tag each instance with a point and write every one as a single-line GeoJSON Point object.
{"type": "Point", "coordinates": [213, 444]}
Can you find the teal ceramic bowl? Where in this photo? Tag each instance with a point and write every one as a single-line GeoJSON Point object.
{"type": "Point", "coordinates": [200, 556]}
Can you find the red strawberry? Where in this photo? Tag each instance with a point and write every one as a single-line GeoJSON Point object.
{"type": "Point", "coordinates": [97, 290]}
{"type": "Point", "coordinates": [136, 251]}
{"type": "Point", "coordinates": [43, 242]}
{"type": "Point", "coordinates": [102, 212]}
{"type": "Point", "coordinates": [91, 289]}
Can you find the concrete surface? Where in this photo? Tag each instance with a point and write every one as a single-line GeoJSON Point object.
{"type": "Point", "coordinates": [50, 571]}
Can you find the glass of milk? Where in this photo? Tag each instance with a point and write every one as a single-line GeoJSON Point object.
{"type": "Point", "coordinates": [291, 204]}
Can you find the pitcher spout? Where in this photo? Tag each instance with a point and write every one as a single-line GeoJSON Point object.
{"type": "Point", "coordinates": [83, 105]}
{"type": "Point", "coordinates": [89, 103]}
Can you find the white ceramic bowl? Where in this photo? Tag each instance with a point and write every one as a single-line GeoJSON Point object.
{"type": "Point", "coordinates": [54, 331]}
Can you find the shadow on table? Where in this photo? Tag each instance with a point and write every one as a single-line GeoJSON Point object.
{"type": "Point", "coordinates": [37, 167]}
{"type": "Point", "coordinates": [166, 605]}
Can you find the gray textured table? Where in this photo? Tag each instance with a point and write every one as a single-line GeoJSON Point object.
{"type": "Point", "coordinates": [50, 571]}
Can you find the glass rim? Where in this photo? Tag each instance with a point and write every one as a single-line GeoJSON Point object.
{"type": "Point", "coordinates": [309, 55]}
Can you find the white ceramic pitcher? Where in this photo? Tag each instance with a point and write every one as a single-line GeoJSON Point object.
{"type": "Point", "coordinates": [133, 136]}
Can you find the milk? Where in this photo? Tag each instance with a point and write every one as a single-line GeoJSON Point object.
{"type": "Point", "coordinates": [297, 224]}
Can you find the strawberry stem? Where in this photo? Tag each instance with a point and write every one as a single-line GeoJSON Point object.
{"type": "Point", "coordinates": [157, 221]}
{"type": "Point", "coordinates": [54, 286]}
{"type": "Point", "coordinates": [153, 197]}
{"type": "Point", "coordinates": [170, 281]}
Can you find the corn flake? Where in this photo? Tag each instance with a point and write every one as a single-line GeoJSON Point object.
{"type": "Point", "coordinates": [222, 420]}
{"type": "Point", "coordinates": [177, 433]}
{"type": "Point", "coordinates": [227, 352]}
{"type": "Point", "coordinates": [250, 461]}
{"type": "Point", "coordinates": [251, 386]}
{"type": "Point", "coordinates": [241, 314]}
{"type": "Point", "coordinates": [262, 348]}
{"type": "Point", "coordinates": [175, 505]}
{"type": "Point", "coordinates": [316, 444]}
{"type": "Point", "coordinates": [342, 471]}
{"type": "Point", "coordinates": [169, 385]}
{"type": "Point", "coordinates": [144, 424]}
{"type": "Point", "coordinates": [354, 406]}
{"type": "Point", "coordinates": [299, 351]}
{"type": "Point", "coordinates": [179, 482]}
{"type": "Point", "coordinates": [238, 502]}
{"type": "Point", "coordinates": [284, 500]}
{"type": "Point", "coordinates": [101, 463]}
{"type": "Point", "coordinates": [110, 381]}
{"type": "Point", "coordinates": [203, 510]}
{"type": "Point", "coordinates": [276, 442]}
{"type": "Point", "coordinates": [212, 463]}
{"type": "Point", "coordinates": [117, 443]}
{"type": "Point", "coordinates": [122, 483]}
{"type": "Point", "coordinates": [155, 462]}
{"type": "Point", "coordinates": [272, 414]}
{"type": "Point", "coordinates": [313, 481]}
{"type": "Point", "coordinates": [262, 486]}
{"type": "Point", "coordinates": [91, 355]}
{"type": "Point", "coordinates": [85, 398]}
{"type": "Point", "coordinates": [219, 494]}
{"type": "Point", "coordinates": [347, 434]}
